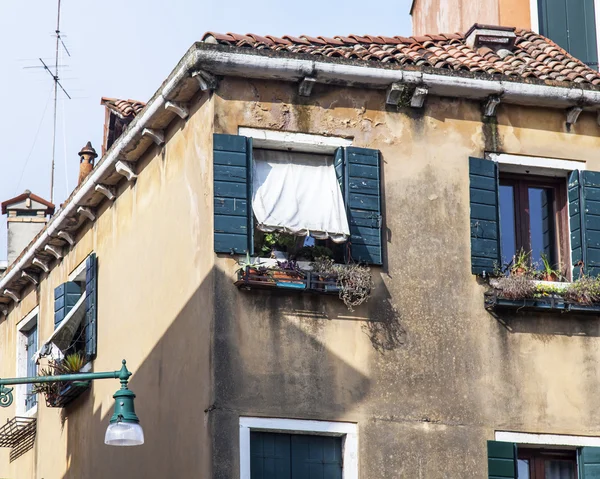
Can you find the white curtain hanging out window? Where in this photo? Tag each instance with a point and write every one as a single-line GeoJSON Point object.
{"type": "Point", "coordinates": [298, 193]}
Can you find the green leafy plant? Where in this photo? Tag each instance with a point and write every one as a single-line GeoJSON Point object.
{"type": "Point", "coordinates": [548, 273]}
{"type": "Point", "coordinates": [276, 240]}
{"type": "Point", "coordinates": [586, 290]}
{"type": "Point", "coordinates": [521, 263]}
{"type": "Point", "coordinates": [310, 253]}
{"type": "Point", "coordinates": [70, 364]}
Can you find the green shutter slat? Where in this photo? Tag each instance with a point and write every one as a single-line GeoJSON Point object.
{"type": "Point", "coordinates": [270, 455]}
{"type": "Point", "coordinates": [65, 297]}
{"type": "Point", "coordinates": [575, 226]}
{"type": "Point", "coordinates": [91, 306]}
{"type": "Point", "coordinates": [359, 173]}
{"type": "Point", "coordinates": [316, 457]}
{"type": "Point", "coordinates": [502, 460]}
{"type": "Point", "coordinates": [232, 170]}
{"type": "Point", "coordinates": [589, 463]}
{"type": "Point", "coordinates": [584, 221]}
{"type": "Point", "coordinates": [485, 218]}
{"type": "Point", "coordinates": [31, 398]}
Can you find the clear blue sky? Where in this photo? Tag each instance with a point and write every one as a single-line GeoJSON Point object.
{"type": "Point", "coordinates": [125, 49]}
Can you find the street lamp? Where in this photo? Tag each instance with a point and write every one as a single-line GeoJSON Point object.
{"type": "Point", "coordinates": [124, 428]}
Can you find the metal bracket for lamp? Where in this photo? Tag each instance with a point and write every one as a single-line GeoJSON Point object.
{"type": "Point", "coordinates": [124, 428]}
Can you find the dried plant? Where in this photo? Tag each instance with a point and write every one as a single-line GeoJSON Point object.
{"type": "Point", "coordinates": [355, 283]}
{"type": "Point", "coordinates": [586, 290]}
{"type": "Point", "coordinates": [516, 287]}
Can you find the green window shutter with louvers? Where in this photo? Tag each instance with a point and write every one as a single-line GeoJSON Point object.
{"type": "Point", "coordinates": [485, 217]}
{"type": "Point", "coordinates": [502, 460]}
{"type": "Point", "coordinates": [589, 463]}
{"type": "Point", "coordinates": [232, 161]}
{"type": "Point", "coordinates": [91, 306]}
{"type": "Point", "coordinates": [359, 173]}
{"type": "Point", "coordinates": [65, 297]}
{"type": "Point", "coordinates": [584, 222]}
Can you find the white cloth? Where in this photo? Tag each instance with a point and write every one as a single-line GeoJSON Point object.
{"type": "Point", "coordinates": [298, 193]}
{"type": "Point", "coordinates": [63, 335]}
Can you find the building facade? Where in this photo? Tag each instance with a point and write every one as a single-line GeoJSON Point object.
{"type": "Point", "coordinates": [243, 380]}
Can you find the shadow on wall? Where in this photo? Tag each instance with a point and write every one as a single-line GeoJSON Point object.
{"type": "Point", "coordinates": [551, 324]}
{"type": "Point", "coordinates": [268, 359]}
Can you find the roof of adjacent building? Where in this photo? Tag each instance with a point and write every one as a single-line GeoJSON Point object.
{"type": "Point", "coordinates": [23, 196]}
{"type": "Point", "coordinates": [124, 108]}
{"type": "Point", "coordinates": [534, 56]}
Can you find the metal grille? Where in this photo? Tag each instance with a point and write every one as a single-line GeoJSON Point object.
{"type": "Point", "coordinates": [19, 434]}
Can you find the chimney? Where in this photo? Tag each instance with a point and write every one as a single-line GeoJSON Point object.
{"type": "Point", "coordinates": [87, 156]}
{"type": "Point", "coordinates": [499, 39]}
{"type": "Point", "coordinates": [27, 215]}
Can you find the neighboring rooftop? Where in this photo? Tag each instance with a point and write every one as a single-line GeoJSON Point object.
{"type": "Point", "coordinates": [27, 195]}
{"type": "Point", "coordinates": [533, 55]}
{"type": "Point", "coordinates": [125, 109]}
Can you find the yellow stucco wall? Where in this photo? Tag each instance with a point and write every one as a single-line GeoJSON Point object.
{"type": "Point", "coordinates": [423, 369]}
{"type": "Point", "coordinates": [154, 302]}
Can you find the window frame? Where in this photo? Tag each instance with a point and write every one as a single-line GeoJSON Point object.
{"type": "Point", "coordinates": [348, 431]}
{"type": "Point", "coordinates": [560, 212]}
{"type": "Point", "coordinates": [537, 457]}
{"type": "Point", "coordinates": [30, 321]}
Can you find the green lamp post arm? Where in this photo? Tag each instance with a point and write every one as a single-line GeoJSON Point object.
{"type": "Point", "coordinates": [6, 397]}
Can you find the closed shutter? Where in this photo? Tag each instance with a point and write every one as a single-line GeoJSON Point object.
{"type": "Point", "coordinates": [589, 463]}
{"type": "Point", "coordinates": [31, 398]}
{"type": "Point", "coordinates": [485, 218]}
{"type": "Point", "coordinates": [584, 222]}
{"type": "Point", "coordinates": [571, 24]}
{"type": "Point", "coordinates": [270, 456]}
{"type": "Point", "coordinates": [502, 460]}
{"type": "Point", "coordinates": [316, 457]}
{"type": "Point", "coordinates": [91, 306]}
{"type": "Point", "coordinates": [359, 172]}
{"type": "Point", "coordinates": [232, 160]}
{"type": "Point", "coordinates": [65, 297]}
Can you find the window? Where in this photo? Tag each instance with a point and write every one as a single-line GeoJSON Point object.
{"type": "Point", "coordinates": [321, 188]}
{"type": "Point", "coordinates": [297, 449]}
{"type": "Point", "coordinates": [547, 464]}
{"type": "Point", "coordinates": [533, 218]}
{"type": "Point", "coordinates": [570, 24]}
{"type": "Point", "coordinates": [27, 345]}
{"type": "Point", "coordinates": [297, 456]}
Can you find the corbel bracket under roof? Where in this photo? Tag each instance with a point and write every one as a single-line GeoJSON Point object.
{"type": "Point", "coordinates": [12, 295]}
{"type": "Point", "coordinates": [55, 251]}
{"type": "Point", "coordinates": [41, 264]}
{"type": "Point", "coordinates": [180, 109]}
{"type": "Point", "coordinates": [573, 114]}
{"type": "Point", "coordinates": [306, 86]}
{"type": "Point", "coordinates": [157, 136]}
{"type": "Point", "coordinates": [63, 235]}
{"type": "Point", "coordinates": [126, 169]}
{"type": "Point", "coordinates": [491, 105]}
{"type": "Point", "coordinates": [394, 94]}
{"type": "Point", "coordinates": [87, 212]}
{"type": "Point", "coordinates": [418, 97]}
{"type": "Point", "coordinates": [106, 190]}
{"type": "Point", "coordinates": [31, 277]}
{"type": "Point", "coordinates": [207, 81]}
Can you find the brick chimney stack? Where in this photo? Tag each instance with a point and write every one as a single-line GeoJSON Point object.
{"type": "Point", "coordinates": [87, 156]}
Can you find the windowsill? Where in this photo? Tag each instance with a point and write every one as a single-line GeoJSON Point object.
{"type": "Point", "coordinates": [32, 411]}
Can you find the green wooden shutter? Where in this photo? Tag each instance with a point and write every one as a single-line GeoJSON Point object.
{"type": "Point", "coordinates": [584, 221]}
{"type": "Point", "coordinates": [502, 460]}
{"type": "Point", "coordinates": [91, 306]}
{"type": "Point", "coordinates": [316, 457]}
{"type": "Point", "coordinates": [65, 297]}
{"type": "Point", "coordinates": [270, 456]}
{"type": "Point", "coordinates": [571, 24]}
{"type": "Point", "coordinates": [32, 341]}
{"type": "Point", "coordinates": [232, 194]}
{"type": "Point", "coordinates": [589, 463]}
{"type": "Point", "coordinates": [360, 169]}
{"type": "Point", "coordinates": [485, 217]}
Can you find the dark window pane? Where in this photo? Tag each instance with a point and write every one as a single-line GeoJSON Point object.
{"type": "Point", "coordinates": [559, 470]}
{"type": "Point", "coordinates": [523, 468]}
{"type": "Point", "coordinates": [541, 224]}
{"type": "Point", "coordinates": [507, 223]}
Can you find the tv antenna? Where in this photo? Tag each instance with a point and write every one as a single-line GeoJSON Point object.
{"type": "Point", "coordinates": [57, 84]}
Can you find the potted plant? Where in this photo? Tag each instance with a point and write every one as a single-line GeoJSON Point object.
{"type": "Point", "coordinates": [324, 274]}
{"type": "Point", "coordinates": [548, 273]}
{"type": "Point", "coordinates": [288, 274]}
{"type": "Point", "coordinates": [521, 264]}
{"type": "Point", "coordinates": [59, 394]}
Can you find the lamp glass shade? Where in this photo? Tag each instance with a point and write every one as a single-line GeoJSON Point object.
{"type": "Point", "coordinates": [124, 434]}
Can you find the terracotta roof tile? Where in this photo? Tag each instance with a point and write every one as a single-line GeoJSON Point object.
{"type": "Point", "coordinates": [124, 108]}
{"type": "Point", "coordinates": [533, 56]}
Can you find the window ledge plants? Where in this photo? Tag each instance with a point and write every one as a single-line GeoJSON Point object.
{"type": "Point", "coordinates": [61, 394]}
{"type": "Point", "coordinates": [352, 283]}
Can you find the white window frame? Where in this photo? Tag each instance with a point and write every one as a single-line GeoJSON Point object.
{"type": "Point", "coordinates": [547, 439]}
{"type": "Point", "coordinates": [347, 430]}
{"type": "Point", "coordinates": [24, 325]}
{"type": "Point", "coordinates": [290, 141]}
{"type": "Point", "coordinates": [534, 15]}
{"type": "Point", "coordinates": [535, 165]}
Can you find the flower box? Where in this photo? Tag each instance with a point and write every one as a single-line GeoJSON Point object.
{"type": "Point", "coordinates": [67, 394]}
{"type": "Point", "coordinates": [554, 303]}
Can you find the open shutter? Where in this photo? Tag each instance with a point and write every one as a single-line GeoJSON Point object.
{"type": "Point", "coordinates": [232, 159]}
{"type": "Point", "coordinates": [584, 221]}
{"type": "Point", "coordinates": [485, 218]}
{"type": "Point", "coordinates": [32, 341]}
{"type": "Point", "coordinates": [361, 188]}
{"type": "Point", "coordinates": [589, 463]}
{"type": "Point", "coordinates": [65, 297]}
{"type": "Point", "coordinates": [502, 460]}
{"type": "Point", "coordinates": [91, 306]}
